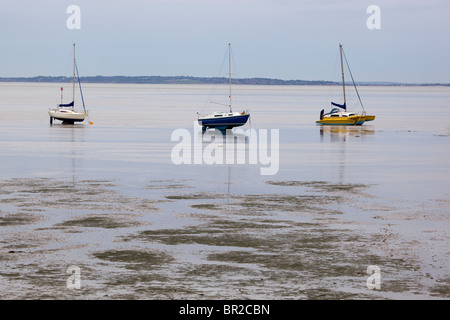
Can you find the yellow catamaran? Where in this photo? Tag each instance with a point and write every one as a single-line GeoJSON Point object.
{"type": "Point", "coordinates": [343, 117]}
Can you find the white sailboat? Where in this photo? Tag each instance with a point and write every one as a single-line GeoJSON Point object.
{"type": "Point", "coordinates": [224, 120]}
{"type": "Point", "coordinates": [66, 112]}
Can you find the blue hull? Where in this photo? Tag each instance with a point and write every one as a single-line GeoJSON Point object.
{"type": "Point", "coordinates": [224, 123]}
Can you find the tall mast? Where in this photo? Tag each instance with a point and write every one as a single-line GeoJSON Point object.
{"type": "Point", "coordinates": [229, 70]}
{"type": "Point", "coordinates": [73, 91]}
{"type": "Point", "coordinates": [342, 70]}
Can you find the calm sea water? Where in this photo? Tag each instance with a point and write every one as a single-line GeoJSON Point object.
{"type": "Point", "coordinates": [401, 159]}
{"type": "Point", "coordinates": [404, 152]}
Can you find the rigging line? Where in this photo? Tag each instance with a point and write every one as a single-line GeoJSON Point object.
{"type": "Point", "coordinates": [332, 90]}
{"type": "Point", "coordinates": [351, 75]}
{"type": "Point", "coordinates": [213, 90]}
{"type": "Point", "coordinates": [222, 104]}
{"type": "Point", "coordinates": [236, 98]}
{"type": "Point", "coordinates": [67, 69]}
{"type": "Point", "coordinates": [232, 60]}
{"type": "Point", "coordinates": [229, 74]}
{"type": "Point", "coordinates": [79, 83]}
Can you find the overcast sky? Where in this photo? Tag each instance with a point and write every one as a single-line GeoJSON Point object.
{"type": "Point", "coordinates": [284, 39]}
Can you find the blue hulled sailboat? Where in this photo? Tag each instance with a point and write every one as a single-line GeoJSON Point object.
{"type": "Point", "coordinates": [224, 120]}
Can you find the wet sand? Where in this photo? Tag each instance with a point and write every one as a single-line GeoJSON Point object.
{"type": "Point", "coordinates": [255, 246]}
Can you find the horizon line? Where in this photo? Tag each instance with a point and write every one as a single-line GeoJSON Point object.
{"type": "Point", "coordinates": [206, 80]}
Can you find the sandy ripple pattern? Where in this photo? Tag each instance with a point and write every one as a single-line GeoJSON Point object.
{"type": "Point", "coordinates": [300, 241]}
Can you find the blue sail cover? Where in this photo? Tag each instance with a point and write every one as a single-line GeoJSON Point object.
{"type": "Point", "coordinates": [66, 105]}
{"type": "Point", "coordinates": [343, 106]}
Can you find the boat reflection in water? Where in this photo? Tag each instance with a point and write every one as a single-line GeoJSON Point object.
{"type": "Point", "coordinates": [226, 146]}
{"type": "Point", "coordinates": [342, 144]}
{"type": "Point", "coordinates": [344, 133]}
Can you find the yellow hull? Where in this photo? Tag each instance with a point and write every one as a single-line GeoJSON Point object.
{"type": "Point", "coordinates": [343, 121]}
{"type": "Point", "coordinates": [370, 118]}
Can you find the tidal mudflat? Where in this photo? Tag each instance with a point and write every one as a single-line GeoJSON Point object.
{"type": "Point", "coordinates": [255, 246]}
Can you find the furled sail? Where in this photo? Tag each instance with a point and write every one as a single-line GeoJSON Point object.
{"type": "Point", "coordinates": [62, 105]}
{"type": "Point", "coordinates": [343, 106]}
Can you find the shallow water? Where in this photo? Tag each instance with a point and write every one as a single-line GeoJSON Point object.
{"type": "Point", "coordinates": [108, 197]}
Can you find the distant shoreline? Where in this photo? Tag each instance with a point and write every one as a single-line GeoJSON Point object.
{"type": "Point", "coordinates": [201, 80]}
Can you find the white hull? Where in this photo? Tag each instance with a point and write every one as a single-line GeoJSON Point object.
{"type": "Point", "coordinates": [67, 115]}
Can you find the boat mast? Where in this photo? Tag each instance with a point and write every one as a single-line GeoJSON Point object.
{"type": "Point", "coordinates": [229, 70]}
{"type": "Point", "coordinates": [73, 89]}
{"type": "Point", "coordinates": [342, 70]}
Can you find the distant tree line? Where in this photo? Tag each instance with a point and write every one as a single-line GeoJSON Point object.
{"type": "Point", "coordinates": [194, 80]}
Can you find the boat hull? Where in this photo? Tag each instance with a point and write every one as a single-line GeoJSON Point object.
{"type": "Point", "coordinates": [342, 121]}
{"type": "Point", "coordinates": [67, 116]}
{"type": "Point", "coordinates": [224, 123]}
